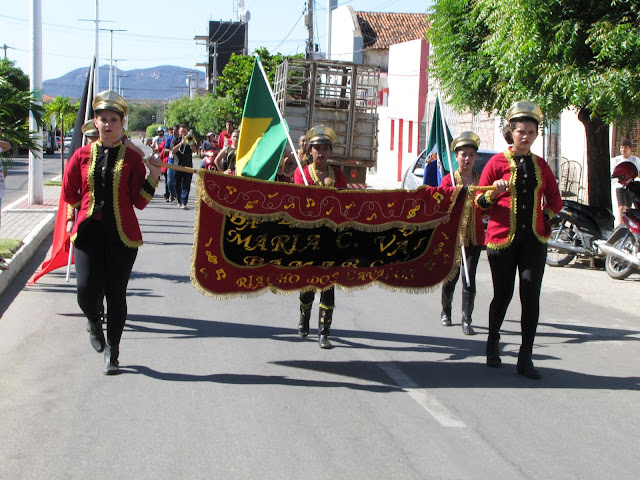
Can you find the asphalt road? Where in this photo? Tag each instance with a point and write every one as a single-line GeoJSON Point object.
{"type": "Point", "coordinates": [17, 181]}
{"type": "Point", "coordinates": [226, 389]}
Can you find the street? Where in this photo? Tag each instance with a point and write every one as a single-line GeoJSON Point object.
{"type": "Point", "coordinates": [227, 389]}
{"type": "Point", "coordinates": [17, 181]}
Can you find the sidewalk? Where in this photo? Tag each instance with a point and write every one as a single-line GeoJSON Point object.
{"type": "Point", "coordinates": [29, 223]}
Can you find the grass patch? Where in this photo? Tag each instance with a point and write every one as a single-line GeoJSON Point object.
{"type": "Point", "coordinates": [53, 183]}
{"type": "Point", "coordinates": [9, 246]}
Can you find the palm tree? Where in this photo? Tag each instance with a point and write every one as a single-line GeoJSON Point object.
{"type": "Point", "coordinates": [64, 113]}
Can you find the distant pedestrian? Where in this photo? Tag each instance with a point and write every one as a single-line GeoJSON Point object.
{"type": "Point", "coordinates": [226, 159]}
{"type": "Point", "coordinates": [182, 149]}
{"type": "Point", "coordinates": [224, 139]}
{"type": "Point", "coordinates": [104, 181]}
{"type": "Point", "coordinates": [623, 197]}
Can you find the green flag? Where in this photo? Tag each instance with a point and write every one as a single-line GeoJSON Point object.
{"type": "Point", "coordinates": [263, 136]}
{"type": "Point", "coordinates": [439, 148]}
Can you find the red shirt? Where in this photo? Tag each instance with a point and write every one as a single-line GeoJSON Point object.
{"type": "Point", "coordinates": [547, 201]}
{"type": "Point", "coordinates": [133, 190]}
{"type": "Point", "coordinates": [475, 236]}
{"type": "Point", "coordinates": [339, 177]}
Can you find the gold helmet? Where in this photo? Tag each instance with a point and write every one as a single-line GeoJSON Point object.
{"type": "Point", "coordinates": [525, 109]}
{"type": "Point", "coordinates": [109, 100]}
{"type": "Point", "coordinates": [466, 138]}
{"type": "Point", "coordinates": [320, 134]}
{"type": "Point", "coordinates": [89, 129]}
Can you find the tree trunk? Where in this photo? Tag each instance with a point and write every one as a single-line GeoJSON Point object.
{"type": "Point", "coordinates": [598, 162]}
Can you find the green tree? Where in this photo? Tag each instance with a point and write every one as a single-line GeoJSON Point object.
{"type": "Point", "coordinates": [577, 54]}
{"type": "Point", "coordinates": [140, 116]}
{"type": "Point", "coordinates": [16, 102]}
{"type": "Point", "coordinates": [64, 114]}
{"type": "Point", "coordinates": [234, 81]}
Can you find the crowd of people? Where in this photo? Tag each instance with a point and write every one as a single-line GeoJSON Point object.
{"type": "Point", "coordinates": [517, 193]}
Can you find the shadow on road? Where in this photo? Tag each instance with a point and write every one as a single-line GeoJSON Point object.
{"type": "Point", "coordinates": [451, 372]}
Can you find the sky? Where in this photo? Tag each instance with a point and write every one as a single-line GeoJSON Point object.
{"type": "Point", "coordinates": [156, 34]}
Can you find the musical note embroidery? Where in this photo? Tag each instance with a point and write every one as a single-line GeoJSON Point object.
{"type": "Point", "coordinates": [231, 189]}
{"type": "Point", "coordinates": [438, 197]}
{"type": "Point", "coordinates": [211, 257]}
{"type": "Point", "coordinates": [208, 244]}
{"type": "Point", "coordinates": [271, 195]}
{"type": "Point", "coordinates": [310, 202]}
{"type": "Point", "coordinates": [250, 204]}
{"type": "Point", "coordinates": [374, 215]}
{"type": "Point", "coordinates": [221, 274]}
{"type": "Point", "coordinates": [412, 212]}
{"type": "Point", "coordinates": [204, 272]}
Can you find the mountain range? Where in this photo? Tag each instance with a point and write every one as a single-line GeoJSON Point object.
{"type": "Point", "coordinates": [158, 83]}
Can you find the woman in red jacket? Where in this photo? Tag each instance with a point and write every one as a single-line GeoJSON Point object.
{"type": "Point", "coordinates": [104, 181]}
{"type": "Point", "coordinates": [320, 140]}
{"type": "Point", "coordinates": [525, 199]}
{"type": "Point", "coordinates": [465, 147]}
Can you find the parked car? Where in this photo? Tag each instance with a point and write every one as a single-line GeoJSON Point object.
{"type": "Point", "coordinates": [413, 177]}
{"type": "Point", "coordinates": [67, 140]}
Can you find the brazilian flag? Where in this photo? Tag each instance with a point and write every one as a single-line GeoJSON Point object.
{"type": "Point", "coordinates": [263, 136]}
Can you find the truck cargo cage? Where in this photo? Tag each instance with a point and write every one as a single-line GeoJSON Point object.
{"type": "Point", "coordinates": [343, 96]}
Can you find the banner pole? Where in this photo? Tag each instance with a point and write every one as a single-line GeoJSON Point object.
{"type": "Point", "coordinates": [453, 182]}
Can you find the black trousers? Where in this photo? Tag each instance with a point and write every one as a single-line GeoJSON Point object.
{"type": "Point", "coordinates": [527, 255]}
{"type": "Point", "coordinates": [327, 297]}
{"type": "Point", "coordinates": [472, 255]}
{"type": "Point", "coordinates": [103, 269]}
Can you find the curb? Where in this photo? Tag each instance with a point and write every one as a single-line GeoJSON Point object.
{"type": "Point", "coordinates": [29, 247]}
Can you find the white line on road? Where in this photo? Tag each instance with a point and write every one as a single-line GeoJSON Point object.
{"type": "Point", "coordinates": [420, 395]}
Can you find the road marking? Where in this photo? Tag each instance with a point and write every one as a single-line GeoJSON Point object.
{"type": "Point", "coordinates": [436, 409]}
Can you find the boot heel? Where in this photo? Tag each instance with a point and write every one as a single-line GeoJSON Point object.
{"type": "Point", "coordinates": [324, 322]}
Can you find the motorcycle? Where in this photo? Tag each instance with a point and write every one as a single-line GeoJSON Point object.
{"type": "Point", "coordinates": [208, 160]}
{"type": "Point", "coordinates": [575, 231]}
{"type": "Point", "coordinates": [622, 248]}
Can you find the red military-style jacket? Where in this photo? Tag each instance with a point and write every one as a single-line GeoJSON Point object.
{"type": "Point", "coordinates": [133, 189]}
{"type": "Point", "coordinates": [502, 221]}
{"type": "Point", "coordinates": [474, 234]}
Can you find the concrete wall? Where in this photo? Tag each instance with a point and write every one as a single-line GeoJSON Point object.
{"type": "Point", "coordinates": [399, 122]}
{"type": "Point", "coordinates": [346, 37]}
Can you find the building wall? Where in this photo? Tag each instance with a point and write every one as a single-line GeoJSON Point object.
{"type": "Point", "coordinates": [399, 122]}
{"type": "Point", "coordinates": [346, 38]}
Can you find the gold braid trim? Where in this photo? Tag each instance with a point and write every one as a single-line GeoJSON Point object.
{"type": "Point", "coordinates": [509, 155]}
{"type": "Point", "coordinates": [537, 199]}
{"type": "Point", "coordinates": [200, 190]}
{"type": "Point", "coordinates": [91, 173]}
{"type": "Point", "coordinates": [316, 179]}
{"type": "Point", "coordinates": [326, 307]}
{"type": "Point", "coordinates": [277, 216]}
{"type": "Point", "coordinates": [117, 179]}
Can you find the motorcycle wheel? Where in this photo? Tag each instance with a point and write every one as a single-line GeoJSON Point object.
{"type": "Point", "coordinates": [616, 268]}
{"type": "Point", "coordinates": [555, 257]}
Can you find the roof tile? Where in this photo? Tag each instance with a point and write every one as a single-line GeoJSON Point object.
{"type": "Point", "coordinates": [383, 29]}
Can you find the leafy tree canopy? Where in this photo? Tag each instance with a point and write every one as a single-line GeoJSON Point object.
{"type": "Point", "coordinates": [234, 81]}
{"type": "Point", "coordinates": [140, 116]}
{"type": "Point", "coordinates": [580, 54]}
{"type": "Point", "coordinates": [16, 101]}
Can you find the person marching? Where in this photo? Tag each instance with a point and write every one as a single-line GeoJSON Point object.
{"type": "Point", "coordinates": [320, 140]}
{"type": "Point", "coordinates": [182, 148]}
{"type": "Point", "coordinates": [525, 198]}
{"type": "Point", "coordinates": [465, 147]}
{"type": "Point", "coordinates": [105, 180]}
{"type": "Point", "coordinates": [226, 159]}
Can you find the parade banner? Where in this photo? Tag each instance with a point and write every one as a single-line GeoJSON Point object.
{"type": "Point", "coordinates": [253, 236]}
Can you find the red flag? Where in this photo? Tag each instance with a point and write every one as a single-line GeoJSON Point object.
{"type": "Point", "coordinates": [61, 244]}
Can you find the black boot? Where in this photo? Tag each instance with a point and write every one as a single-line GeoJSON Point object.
{"type": "Point", "coordinates": [324, 322]}
{"type": "Point", "coordinates": [525, 365]}
{"type": "Point", "coordinates": [468, 299]}
{"type": "Point", "coordinates": [447, 298]}
{"type": "Point", "coordinates": [493, 353]}
{"type": "Point", "coordinates": [305, 316]}
{"type": "Point", "coordinates": [111, 365]}
{"type": "Point", "coordinates": [96, 334]}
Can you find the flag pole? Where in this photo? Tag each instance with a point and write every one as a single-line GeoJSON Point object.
{"type": "Point", "coordinates": [463, 249]}
{"type": "Point", "coordinates": [282, 122]}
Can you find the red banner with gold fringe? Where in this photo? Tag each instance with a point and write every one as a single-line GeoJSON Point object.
{"type": "Point", "coordinates": [253, 236]}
